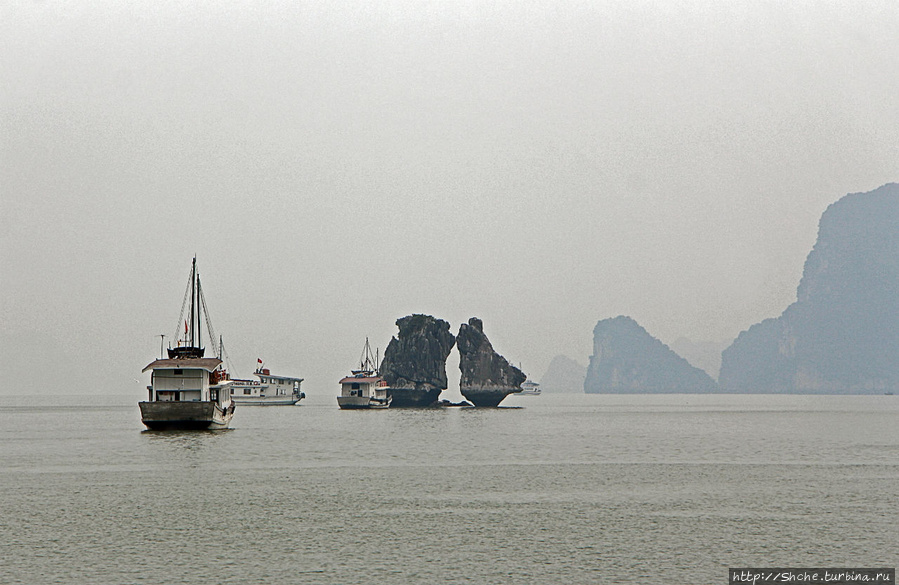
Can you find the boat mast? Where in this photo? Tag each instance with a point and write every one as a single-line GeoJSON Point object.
{"type": "Point", "coordinates": [368, 362]}
{"type": "Point", "coordinates": [193, 293]}
{"type": "Point", "coordinates": [191, 341]}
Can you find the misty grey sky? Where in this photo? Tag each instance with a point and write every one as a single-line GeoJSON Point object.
{"type": "Point", "coordinates": [337, 165]}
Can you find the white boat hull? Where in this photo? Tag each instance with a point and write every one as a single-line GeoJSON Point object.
{"type": "Point", "coordinates": [267, 400]}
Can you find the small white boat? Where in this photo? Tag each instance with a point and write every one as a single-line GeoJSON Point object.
{"type": "Point", "coordinates": [529, 388]}
{"type": "Point", "coordinates": [188, 390]}
{"type": "Point", "coordinates": [364, 388]}
{"type": "Point", "coordinates": [268, 390]}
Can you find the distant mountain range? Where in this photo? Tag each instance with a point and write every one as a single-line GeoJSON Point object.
{"type": "Point", "coordinates": [842, 333]}
{"type": "Point", "coordinates": [841, 336]}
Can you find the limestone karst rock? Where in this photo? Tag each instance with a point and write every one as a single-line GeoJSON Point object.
{"type": "Point", "coordinates": [842, 333]}
{"type": "Point", "coordinates": [628, 360]}
{"type": "Point", "coordinates": [487, 377]}
{"type": "Point", "coordinates": [414, 363]}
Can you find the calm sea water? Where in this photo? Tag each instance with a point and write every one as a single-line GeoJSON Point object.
{"type": "Point", "coordinates": [553, 489]}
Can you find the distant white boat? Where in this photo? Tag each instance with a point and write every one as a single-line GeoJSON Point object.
{"type": "Point", "coordinates": [529, 388]}
{"type": "Point", "coordinates": [268, 390]}
{"type": "Point", "coordinates": [364, 388]}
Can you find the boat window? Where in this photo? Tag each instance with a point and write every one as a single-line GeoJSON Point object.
{"type": "Point", "coordinates": [246, 390]}
{"type": "Point", "coordinates": [355, 386]}
{"type": "Point", "coordinates": [179, 372]}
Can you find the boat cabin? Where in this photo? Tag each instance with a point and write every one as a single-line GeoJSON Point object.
{"type": "Point", "coordinates": [184, 380]}
{"type": "Point", "coordinates": [364, 387]}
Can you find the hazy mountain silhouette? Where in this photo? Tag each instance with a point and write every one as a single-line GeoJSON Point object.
{"type": "Point", "coordinates": [842, 333]}
{"type": "Point", "coordinates": [626, 359]}
{"type": "Point", "coordinates": [563, 375]}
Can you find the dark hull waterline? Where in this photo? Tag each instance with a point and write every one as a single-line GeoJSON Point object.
{"type": "Point", "coordinates": [185, 415]}
{"type": "Point", "coordinates": [179, 425]}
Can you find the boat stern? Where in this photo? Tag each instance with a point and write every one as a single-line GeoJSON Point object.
{"type": "Point", "coordinates": [185, 415]}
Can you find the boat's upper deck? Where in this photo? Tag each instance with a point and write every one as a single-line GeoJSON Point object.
{"type": "Point", "coordinates": [361, 380]}
{"type": "Point", "coordinates": [208, 364]}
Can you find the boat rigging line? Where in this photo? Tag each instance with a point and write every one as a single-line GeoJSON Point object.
{"type": "Point", "coordinates": [190, 281]}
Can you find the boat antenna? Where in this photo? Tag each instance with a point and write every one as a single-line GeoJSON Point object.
{"type": "Point", "coordinates": [225, 357]}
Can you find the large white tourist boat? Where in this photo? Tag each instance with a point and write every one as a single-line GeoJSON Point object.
{"type": "Point", "coordinates": [187, 389]}
{"type": "Point", "coordinates": [529, 388]}
{"type": "Point", "coordinates": [268, 390]}
{"type": "Point", "coordinates": [364, 388]}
